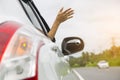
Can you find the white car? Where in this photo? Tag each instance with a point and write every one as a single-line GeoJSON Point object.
{"type": "Point", "coordinates": [103, 64]}
{"type": "Point", "coordinates": [26, 53]}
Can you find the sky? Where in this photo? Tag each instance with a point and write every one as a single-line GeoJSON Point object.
{"type": "Point", "coordinates": [95, 21]}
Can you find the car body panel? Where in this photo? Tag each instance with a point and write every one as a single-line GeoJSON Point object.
{"type": "Point", "coordinates": [6, 33]}
{"type": "Point", "coordinates": [29, 54]}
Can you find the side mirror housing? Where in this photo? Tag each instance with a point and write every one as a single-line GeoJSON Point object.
{"type": "Point", "coordinates": [72, 45]}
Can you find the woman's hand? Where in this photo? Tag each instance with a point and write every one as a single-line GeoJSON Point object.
{"type": "Point", "coordinates": [61, 17]}
{"type": "Point", "coordinates": [64, 15]}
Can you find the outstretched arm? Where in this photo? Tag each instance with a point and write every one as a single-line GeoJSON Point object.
{"type": "Point", "coordinates": [61, 17]}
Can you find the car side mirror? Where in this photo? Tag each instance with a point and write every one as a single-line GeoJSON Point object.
{"type": "Point", "coordinates": [72, 45]}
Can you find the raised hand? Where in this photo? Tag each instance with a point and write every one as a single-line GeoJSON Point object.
{"type": "Point", "coordinates": [64, 15]}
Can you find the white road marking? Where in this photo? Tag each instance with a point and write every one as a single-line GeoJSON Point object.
{"type": "Point", "coordinates": [78, 75]}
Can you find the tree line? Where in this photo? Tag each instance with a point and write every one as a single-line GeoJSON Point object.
{"type": "Point", "coordinates": [90, 59]}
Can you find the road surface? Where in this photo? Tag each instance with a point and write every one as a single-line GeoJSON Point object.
{"type": "Point", "coordinates": [94, 73]}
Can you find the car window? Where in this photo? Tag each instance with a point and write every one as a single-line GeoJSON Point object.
{"type": "Point", "coordinates": [31, 15]}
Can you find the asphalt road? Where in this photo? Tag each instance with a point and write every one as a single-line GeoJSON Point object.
{"type": "Point", "coordinates": [94, 73]}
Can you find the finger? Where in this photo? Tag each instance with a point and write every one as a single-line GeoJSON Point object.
{"type": "Point", "coordinates": [69, 13]}
{"type": "Point", "coordinates": [67, 10]}
{"type": "Point", "coordinates": [69, 17]}
{"type": "Point", "coordinates": [61, 9]}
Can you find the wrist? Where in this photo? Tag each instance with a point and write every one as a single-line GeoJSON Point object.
{"type": "Point", "coordinates": [57, 22]}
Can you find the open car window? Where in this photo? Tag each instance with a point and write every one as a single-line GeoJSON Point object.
{"type": "Point", "coordinates": [34, 16]}
{"type": "Point", "coordinates": [30, 14]}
